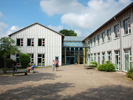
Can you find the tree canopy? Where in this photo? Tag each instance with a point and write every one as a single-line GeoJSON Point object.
{"type": "Point", "coordinates": [68, 32]}
{"type": "Point", "coordinates": [7, 47]}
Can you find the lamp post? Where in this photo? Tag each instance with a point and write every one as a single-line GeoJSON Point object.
{"type": "Point", "coordinates": [120, 42]}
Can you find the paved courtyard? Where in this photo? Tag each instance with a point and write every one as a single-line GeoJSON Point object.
{"type": "Point", "coordinates": [69, 83]}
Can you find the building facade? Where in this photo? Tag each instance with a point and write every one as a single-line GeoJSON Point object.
{"type": "Point", "coordinates": [113, 41]}
{"type": "Point", "coordinates": [42, 43]}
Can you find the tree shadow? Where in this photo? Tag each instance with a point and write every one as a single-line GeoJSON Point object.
{"type": "Point", "coordinates": [114, 92]}
{"type": "Point", "coordinates": [12, 80]}
{"type": "Point", "coordinates": [41, 92]}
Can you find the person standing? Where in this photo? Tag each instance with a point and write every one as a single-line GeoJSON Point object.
{"type": "Point", "coordinates": [57, 64]}
{"type": "Point", "coordinates": [14, 65]}
{"type": "Point", "coordinates": [53, 65]}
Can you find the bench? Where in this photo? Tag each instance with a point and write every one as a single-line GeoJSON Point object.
{"type": "Point", "coordinates": [89, 65]}
{"type": "Point", "coordinates": [20, 71]}
{"type": "Point", "coordinates": [4, 71]}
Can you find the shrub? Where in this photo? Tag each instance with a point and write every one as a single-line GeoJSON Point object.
{"type": "Point", "coordinates": [108, 62]}
{"type": "Point", "coordinates": [108, 67]}
{"type": "Point", "coordinates": [93, 63]}
{"type": "Point", "coordinates": [129, 73]}
{"type": "Point", "coordinates": [9, 63]}
{"type": "Point", "coordinates": [24, 59]}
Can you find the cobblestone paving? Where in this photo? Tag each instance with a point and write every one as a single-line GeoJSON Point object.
{"type": "Point", "coordinates": [69, 83]}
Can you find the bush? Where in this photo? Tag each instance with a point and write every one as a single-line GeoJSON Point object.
{"type": "Point", "coordinates": [129, 73]}
{"type": "Point", "coordinates": [9, 63]}
{"type": "Point", "coordinates": [93, 63]}
{"type": "Point", "coordinates": [108, 67]}
{"type": "Point", "coordinates": [24, 59]}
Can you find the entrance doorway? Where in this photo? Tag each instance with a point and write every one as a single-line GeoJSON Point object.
{"type": "Point", "coordinates": [41, 60]}
{"type": "Point", "coordinates": [70, 60]}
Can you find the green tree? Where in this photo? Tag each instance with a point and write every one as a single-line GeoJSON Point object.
{"type": "Point", "coordinates": [24, 59]}
{"type": "Point", "coordinates": [68, 32]}
{"type": "Point", "coordinates": [7, 47]}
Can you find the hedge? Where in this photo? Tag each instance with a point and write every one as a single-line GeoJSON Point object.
{"type": "Point", "coordinates": [24, 59]}
{"type": "Point", "coordinates": [95, 64]}
{"type": "Point", "coordinates": [9, 63]}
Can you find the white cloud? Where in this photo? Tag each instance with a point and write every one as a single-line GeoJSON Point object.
{"type": "Point", "coordinates": [78, 32]}
{"type": "Point", "coordinates": [52, 7]}
{"type": "Point", "coordinates": [11, 30]}
{"type": "Point", "coordinates": [56, 28]}
{"type": "Point", "coordinates": [1, 14]}
{"type": "Point", "coordinates": [81, 17]}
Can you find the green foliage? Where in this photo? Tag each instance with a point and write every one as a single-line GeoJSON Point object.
{"type": "Point", "coordinates": [95, 64]}
{"type": "Point", "coordinates": [129, 73]}
{"type": "Point", "coordinates": [68, 32]}
{"type": "Point", "coordinates": [8, 47]}
{"type": "Point", "coordinates": [107, 62]}
{"type": "Point", "coordinates": [24, 59]}
{"type": "Point", "coordinates": [9, 63]}
{"type": "Point", "coordinates": [102, 61]}
{"type": "Point", "coordinates": [108, 67]}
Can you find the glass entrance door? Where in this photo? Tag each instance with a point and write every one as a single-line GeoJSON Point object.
{"type": "Point", "coordinates": [116, 62]}
{"type": "Point", "coordinates": [41, 60]}
{"type": "Point", "coordinates": [126, 62]}
{"type": "Point", "coordinates": [70, 60]}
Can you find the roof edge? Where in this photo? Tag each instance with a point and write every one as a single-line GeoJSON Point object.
{"type": "Point", "coordinates": [32, 25]}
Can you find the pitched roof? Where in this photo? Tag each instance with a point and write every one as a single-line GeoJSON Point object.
{"type": "Point", "coordinates": [74, 38]}
{"type": "Point", "coordinates": [112, 19]}
{"type": "Point", "coordinates": [32, 25]}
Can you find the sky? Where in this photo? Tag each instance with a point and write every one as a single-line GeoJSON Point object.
{"type": "Point", "coordinates": [82, 16]}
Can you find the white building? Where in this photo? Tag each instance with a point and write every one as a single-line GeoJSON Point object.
{"type": "Point", "coordinates": [41, 42]}
{"type": "Point", "coordinates": [113, 40]}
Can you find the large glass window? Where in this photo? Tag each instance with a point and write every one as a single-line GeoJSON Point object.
{"type": "Point", "coordinates": [41, 60]}
{"type": "Point", "coordinates": [98, 39]}
{"type": "Point", "coordinates": [91, 57]}
{"type": "Point", "coordinates": [41, 42]}
{"type": "Point", "coordinates": [116, 30]}
{"type": "Point", "coordinates": [89, 43]}
{"type": "Point", "coordinates": [19, 42]}
{"type": "Point", "coordinates": [103, 36]}
{"type": "Point", "coordinates": [30, 42]}
{"type": "Point", "coordinates": [95, 41]}
{"type": "Point", "coordinates": [109, 34]}
{"type": "Point", "coordinates": [127, 26]}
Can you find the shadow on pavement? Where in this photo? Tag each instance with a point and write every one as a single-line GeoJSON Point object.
{"type": "Point", "coordinates": [42, 92]}
{"type": "Point", "coordinates": [12, 80]}
{"type": "Point", "coordinates": [115, 92]}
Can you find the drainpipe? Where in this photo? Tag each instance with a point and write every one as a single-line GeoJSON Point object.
{"type": "Point", "coordinates": [120, 43]}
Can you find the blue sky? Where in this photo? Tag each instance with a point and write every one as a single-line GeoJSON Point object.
{"type": "Point", "coordinates": [82, 16]}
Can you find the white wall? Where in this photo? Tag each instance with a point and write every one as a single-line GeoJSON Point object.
{"type": "Point", "coordinates": [114, 44]}
{"type": "Point", "coordinates": [53, 43]}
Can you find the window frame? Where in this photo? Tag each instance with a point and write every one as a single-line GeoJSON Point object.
{"type": "Point", "coordinates": [21, 41]}
{"type": "Point", "coordinates": [42, 42]}
{"type": "Point", "coordinates": [109, 34]}
{"type": "Point", "coordinates": [103, 37]}
{"type": "Point", "coordinates": [31, 40]}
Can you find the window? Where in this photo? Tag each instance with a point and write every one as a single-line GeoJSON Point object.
{"type": "Point", "coordinates": [19, 42]}
{"type": "Point", "coordinates": [116, 30]}
{"type": "Point", "coordinates": [31, 58]}
{"type": "Point", "coordinates": [95, 41]}
{"type": "Point", "coordinates": [94, 57]}
{"type": "Point", "coordinates": [109, 34]}
{"type": "Point", "coordinates": [98, 58]}
{"type": "Point", "coordinates": [103, 37]}
{"type": "Point", "coordinates": [98, 39]}
{"type": "Point", "coordinates": [17, 58]}
{"type": "Point", "coordinates": [127, 26]}
{"type": "Point", "coordinates": [109, 56]}
{"type": "Point", "coordinates": [91, 57]}
{"type": "Point", "coordinates": [30, 42]}
{"type": "Point", "coordinates": [103, 57]}
{"type": "Point", "coordinates": [41, 42]}
{"type": "Point", "coordinates": [41, 59]}
{"type": "Point", "coordinates": [91, 42]}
